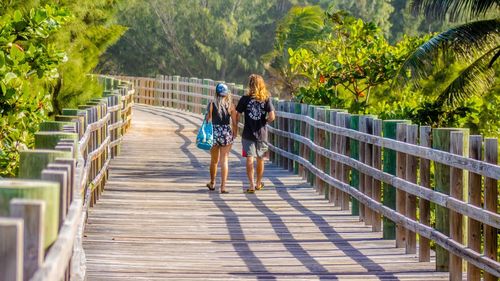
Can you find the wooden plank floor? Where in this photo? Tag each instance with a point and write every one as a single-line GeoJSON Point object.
{"type": "Point", "coordinates": [157, 221]}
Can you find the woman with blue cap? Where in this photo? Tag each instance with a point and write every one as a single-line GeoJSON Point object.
{"type": "Point", "coordinates": [222, 114]}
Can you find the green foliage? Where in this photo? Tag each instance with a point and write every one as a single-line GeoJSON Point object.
{"type": "Point", "coordinates": [300, 27]}
{"type": "Point", "coordinates": [84, 39]}
{"type": "Point", "coordinates": [27, 66]}
{"type": "Point", "coordinates": [349, 63]}
{"type": "Point", "coordinates": [36, 83]}
{"type": "Point", "coordinates": [217, 39]}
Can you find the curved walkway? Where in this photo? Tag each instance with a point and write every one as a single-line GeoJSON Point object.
{"type": "Point", "coordinates": [157, 221]}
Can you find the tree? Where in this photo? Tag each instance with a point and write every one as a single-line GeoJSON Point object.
{"type": "Point", "coordinates": [345, 66]}
{"type": "Point", "coordinates": [476, 43]}
{"type": "Point", "coordinates": [300, 27]}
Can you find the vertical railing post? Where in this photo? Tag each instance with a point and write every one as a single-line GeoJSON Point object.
{"type": "Point", "coordinates": [491, 204]}
{"type": "Point", "coordinates": [424, 206]}
{"type": "Point", "coordinates": [376, 185]}
{"type": "Point", "coordinates": [442, 172]}
{"type": "Point", "coordinates": [475, 190]}
{"type": "Point", "coordinates": [389, 166]}
{"type": "Point", "coordinates": [456, 191]}
{"type": "Point", "coordinates": [11, 249]}
{"type": "Point", "coordinates": [368, 160]}
{"type": "Point", "coordinates": [400, 194]}
{"type": "Point", "coordinates": [296, 130]}
{"type": "Point", "coordinates": [342, 148]}
{"type": "Point", "coordinates": [32, 213]}
{"type": "Point", "coordinates": [289, 128]}
{"type": "Point", "coordinates": [320, 141]}
{"type": "Point", "coordinates": [354, 148]}
{"type": "Point", "coordinates": [303, 148]}
{"type": "Point", "coordinates": [411, 200]}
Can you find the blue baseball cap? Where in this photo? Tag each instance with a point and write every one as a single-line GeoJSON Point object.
{"type": "Point", "coordinates": [222, 89]}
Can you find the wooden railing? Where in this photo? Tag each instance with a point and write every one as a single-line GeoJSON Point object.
{"type": "Point", "coordinates": [394, 175]}
{"type": "Point", "coordinates": [46, 207]}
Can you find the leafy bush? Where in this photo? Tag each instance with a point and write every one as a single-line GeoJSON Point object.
{"type": "Point", "coordinates": [27, 66]}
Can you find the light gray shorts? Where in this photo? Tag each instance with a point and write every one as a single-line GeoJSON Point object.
{"type": "Point", "coordinates": [253, 148]}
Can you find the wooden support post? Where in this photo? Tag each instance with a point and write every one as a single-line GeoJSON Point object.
{"type": "Point", "coordinates": [456, 191]}
{"type": "Point", "coordinates": [311, 154]}
{"type": "Point", "coordinates": [289, 128]}
{"type": "Point", "coordinates": [354, 148]}
{"type": "Point", "coordinates": [279, 140]}
{"type": "Point", "coordinates": [303, 148]}
{"type": "Point", "coordinates": [41, 190]}
{"type": "Point", "coordinates": [296, 130]}
{"type": "Point", "coordinates": [441, 141]}
{"type": "Point", "coordinates": [32, 162]}
{"type": "Point", "coordinates": [376, 185]}
{"type": "Point", "coordinates": [343, 149]}
{"type": "Point", "coordinates": [491, 204]}
{"type": "Point", "coordinates": [32, 213]}
{"type": "Point", "coordinates": [332, 191]}
{"type": "Point", "coordinates": [411, 200]}
{"type": "Point", "coordinates": [424, 205]}
{"type": "Point", "coordinates": [362, 128]}
{"type": "Point", "coordinates": [320, 115]}
{"type": "Point", "coordinates": [11, 249]}
{"type": "Point", "coordinates": [389, 165]}
{"type": "Point", "coordinates": [368, 159]}
{"type": "Point", "coordinates": [176, 102]}
{"type": "Point", "coordinates": [61, 178]}
{"type": "Point", "coordinates": [474, 227]}
{"type": "Point", "coordinates": [401, 195]}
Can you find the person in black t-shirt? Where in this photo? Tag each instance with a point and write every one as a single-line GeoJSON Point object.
{"type": "Point", "coordinates": [258, 111]}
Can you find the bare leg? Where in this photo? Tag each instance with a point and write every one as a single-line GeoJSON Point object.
{"type": "Point", "coordinates": [224, 156]}
{"type": "Point", "coordinates": [260, 170]}
{"type": "Point", "coordinates": [250, 172]}
{"type": "Point", "coordinates": [214, 161]}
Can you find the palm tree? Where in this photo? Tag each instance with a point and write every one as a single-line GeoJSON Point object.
{"type": "Point", "coordinates": [476, 43]}
{"type": "Point", "coordinates": [299, 27]}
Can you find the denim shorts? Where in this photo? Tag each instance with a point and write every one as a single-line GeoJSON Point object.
{"type": "Point", "coordinates": [253, 148]}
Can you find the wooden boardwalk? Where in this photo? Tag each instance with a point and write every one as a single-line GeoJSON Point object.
{"type": "Point", "coordinates": [157, 221]}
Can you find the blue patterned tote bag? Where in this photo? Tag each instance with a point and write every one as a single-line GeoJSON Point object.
{"type": "Point", "coordinates": [205, 137]}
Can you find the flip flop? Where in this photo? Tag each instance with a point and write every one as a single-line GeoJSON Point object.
{"type": "Point", "coordinates": [210, 187]}
{"type": "Point", "coordinates": [224, 192]}
{"type": "Point", "coordinates": [260, 187]}
{"type": "Point", "coordinates": [250, 191]}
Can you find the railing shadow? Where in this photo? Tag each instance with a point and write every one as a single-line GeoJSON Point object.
{"type": "Point", "coordinates": [238, 241]}
{"type": "Point", "coordinates": [331, 234]}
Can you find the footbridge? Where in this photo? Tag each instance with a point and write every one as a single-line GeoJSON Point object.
{"type": "Point", "coordinates": [115, 190]}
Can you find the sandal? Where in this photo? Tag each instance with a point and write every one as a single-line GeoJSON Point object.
{"type": "Point", "coordinates": [210, 186]}
{"type": "Point", "coordinates": [260, 187]}
{"type": "Point", "coordinates": [250, 191]}
{"type": "Point", "coordinates": [224, 192]}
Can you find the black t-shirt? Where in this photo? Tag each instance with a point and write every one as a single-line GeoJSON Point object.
{"type": "Point", "coordinates": [255, 117]}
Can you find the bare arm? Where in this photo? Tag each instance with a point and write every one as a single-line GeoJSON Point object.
{"type": "Point", "coordinates": [235, 116]}
{"type": "Point", "coordinates": [271, 116]}
{"type": "Point", "coordinates": [209, 115]}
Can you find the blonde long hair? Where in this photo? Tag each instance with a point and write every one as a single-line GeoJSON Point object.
{"type": "Point", "coordinates": [223, 104]}
{"type": "Point", "coordinates": [257, 88]}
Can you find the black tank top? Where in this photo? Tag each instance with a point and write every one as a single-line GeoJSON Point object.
{"type": "Point", "coordinates": [225, 119]}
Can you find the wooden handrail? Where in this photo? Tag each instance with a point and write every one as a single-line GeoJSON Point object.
{"type": "Point", "coordinates": [96, 146]}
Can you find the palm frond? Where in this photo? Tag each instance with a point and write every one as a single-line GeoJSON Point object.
{"type": "Point", "coordinates": [474, 80]}
{"type": "Point", "coordinates": [456, 9]}
{"type": "Point", "coordinates": [465, 42]}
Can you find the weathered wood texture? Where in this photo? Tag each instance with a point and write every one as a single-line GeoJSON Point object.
{"type": "Point", "coordinates": [157, 221]}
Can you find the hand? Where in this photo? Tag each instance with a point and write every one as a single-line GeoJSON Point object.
{"type": "Point", "coordinates": [235, 134]}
